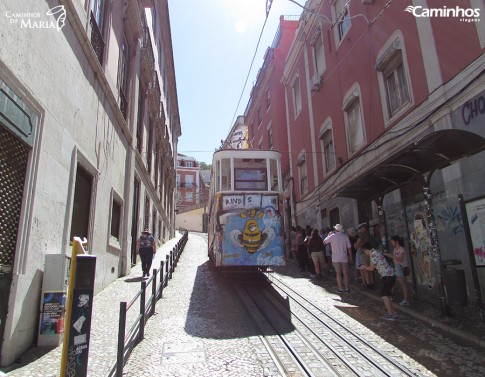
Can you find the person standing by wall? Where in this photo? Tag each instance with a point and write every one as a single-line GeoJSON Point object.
{"type": "Point", "coordinates": [365, 236]}
{"type": "Point", "coordinates": [400, 266]}
{"type": "Point", "coordinates": [388, 279]}
{"type": "Point", "coordinates": [341, 255]}
{"type": "Point", "coordinates": [316, 249]}
{"type": "Point", "coordinates": [146, 248]}
{"type": "Point", "coordinates": [302, 253]}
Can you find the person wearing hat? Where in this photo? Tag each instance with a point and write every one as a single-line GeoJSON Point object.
{"type": "Point", "coordinates": [341, 256]}
{"type": "Point", "coordinates": [146, 248]}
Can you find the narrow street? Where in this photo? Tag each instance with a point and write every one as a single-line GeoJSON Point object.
{"type": "Point", "coordinates": [201, 328]}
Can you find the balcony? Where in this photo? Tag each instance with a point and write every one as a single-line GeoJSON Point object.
{"type": "Point", "coordinates": [154, 95]}
{"type": "Point", "coordinates": [123, 104]}
{"type": "Point", "coordinates": [97, 39]}
{"type": "Point", "coordinates": [147, 57]}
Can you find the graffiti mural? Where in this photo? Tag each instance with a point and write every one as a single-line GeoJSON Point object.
{"type": "Point", "coordinates": [250, 230]}
{"type": "Point", "coordinates": [420, 247]}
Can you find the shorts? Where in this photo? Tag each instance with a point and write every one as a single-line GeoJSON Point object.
{"type": "Point", "coordinates": [398, 270]}
{"type": "Point", "coordinates": [318, 257]}
{"type": "Point", "coordinates": [357, 258]}
{"type": "Point", "coordinates": [340, 266]}
{"type": "Point", "coordinates": [364, 259]}
{"type": "Point", "coordinates": [387, 284]}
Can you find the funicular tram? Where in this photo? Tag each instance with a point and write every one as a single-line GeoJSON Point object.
{"type": "Point", "coordinates": [246, 225]}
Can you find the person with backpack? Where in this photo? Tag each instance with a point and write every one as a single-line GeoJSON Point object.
{"type": "Point", "coordinates": [146, 248]}
{"type": "Point", "coordinates": [388, 278]}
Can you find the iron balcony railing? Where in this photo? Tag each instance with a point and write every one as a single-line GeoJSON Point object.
{"type": "Point", "coordinates": [97, 39]}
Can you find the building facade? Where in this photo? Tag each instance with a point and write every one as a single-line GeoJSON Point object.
{"type": "Point", "coordinates": [89, 126]}
{"type": "Point", "coordinates": [384, 115]}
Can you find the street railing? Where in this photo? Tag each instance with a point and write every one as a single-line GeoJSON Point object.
{"type": "Point", "coordinates": [158, 281]}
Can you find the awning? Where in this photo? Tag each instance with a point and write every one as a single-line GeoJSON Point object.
{"type": "Point", "coordinates": [434, 151]}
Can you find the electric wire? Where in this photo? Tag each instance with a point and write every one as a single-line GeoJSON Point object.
{"type": "Point", "coordinates": [251, 66]}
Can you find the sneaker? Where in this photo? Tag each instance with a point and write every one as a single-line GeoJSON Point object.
{"type": "Point", "coordinates": [347, 291]}
{"type": "Point", "coordinates": [340, 290]}
{"type": "Point", "coordinates": [389, 317]}
{"type": "Point", "coordinates": [404, 303]}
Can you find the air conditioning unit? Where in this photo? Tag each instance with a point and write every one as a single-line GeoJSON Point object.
{"type": "Point", "coordinates": [316, 81]}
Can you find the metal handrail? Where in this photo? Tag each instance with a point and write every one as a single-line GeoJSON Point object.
{"type": "Point", "coordinates": [126, 342]}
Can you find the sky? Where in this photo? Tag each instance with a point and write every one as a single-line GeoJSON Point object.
{"type": "Point", "coordinates": [214, 42]}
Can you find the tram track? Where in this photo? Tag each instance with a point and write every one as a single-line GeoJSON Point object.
{"type": "Point", "coordinates": [313, 342]}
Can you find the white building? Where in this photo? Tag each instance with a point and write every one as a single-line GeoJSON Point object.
{"type": "Point", "coordinates": [89, 125]}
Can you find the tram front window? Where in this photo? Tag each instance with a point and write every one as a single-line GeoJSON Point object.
{"type": "Point", "coordinates": [225, 174]}
{"type": "Point", "coordinates": [250, 174]}
{"type": "Point", "coordinates": [273, 173]}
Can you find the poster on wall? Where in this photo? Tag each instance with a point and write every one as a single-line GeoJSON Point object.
{"type": "Point", "coordinates": [475, 212]}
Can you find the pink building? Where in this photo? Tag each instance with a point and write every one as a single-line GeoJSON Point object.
{"type": "Point", "coordinates": [384, 113]}
{"type": "Point", "coordinates": [264, 114]}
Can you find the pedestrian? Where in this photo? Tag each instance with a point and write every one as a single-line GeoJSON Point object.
{"type": "Point", "coordinates": [302, 253]}
{"type": "Point", "coordinates": [341, 256]}
{"type": "Point", "coordinates": [388, 278]}
{"type": "Point", "coordinates": [146, 248]}
{"type": "Point", "coordinates": [365, 236]}
{"type": "Point", "coordinates": [400, 266]}
{"type": "Point", "coordinates": [293, 245]}
{"type": "Point", "coordinates": [352, 233]}
{"type": "Point", "coordinates": [316, 249]}
{"type": "Point", "coordinates": [308, 260]}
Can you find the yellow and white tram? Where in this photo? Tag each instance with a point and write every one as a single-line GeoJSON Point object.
{"type": "Point", "coordinates": [246, 209]}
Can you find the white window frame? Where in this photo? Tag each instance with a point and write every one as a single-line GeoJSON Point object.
{"type": "Point", "coordinates": [296, 91]}
{"type": "Point", "coordinates": [392, 56]}
{"type": "Point", "coordinates": [351, 100]}
{"type": "Point", "coordinates": [326, 134]}
{"type": "Point", "coordinates": [341, 19]}
{"type": "Point", "coordinates": [112, 240]}
{"type": "Point", "coordinates": [318, 53]}
{"type": "Point", "coordinates": [302, 173]}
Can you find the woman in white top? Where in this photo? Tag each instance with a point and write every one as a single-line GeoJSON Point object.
{"type": "Point", "coordinates": [400, 263]}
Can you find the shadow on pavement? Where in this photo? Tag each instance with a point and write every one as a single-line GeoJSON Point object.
{"type": "Point", "coordinates": [216, 311]}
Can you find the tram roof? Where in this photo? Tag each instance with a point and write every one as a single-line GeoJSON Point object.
{"type": "Point", "coordinates": [246, 153]}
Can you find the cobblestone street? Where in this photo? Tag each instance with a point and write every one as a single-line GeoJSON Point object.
{"type": "Point", "coordinates": [201, 329]}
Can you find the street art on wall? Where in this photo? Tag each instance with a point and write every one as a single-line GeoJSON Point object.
{"type": "Point", "coordinates": [476, 221]}
{"type": "Point", "coordinates": [420, 247]}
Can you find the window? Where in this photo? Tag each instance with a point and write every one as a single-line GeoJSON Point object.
{"type": "Point", "coordinates": [226, 174]}
{"type": "Point", "coordinates": [353, 121]}
{"type": "Point", "coordinates": [270, 138]}
{"type": "Point", "coordinates": [123, 78]}
{"type": "Point", "coordinates": [296, 96]}
{"type": "Point", "coordinates": [302, 173]}
{"type": "Point", "coordinates": [115, 227]}
{"type": "Point", "coordinates": [250, 174]}
{"type": "Point", "coordinates": [273, 173]}
{"type": "Point", "coordinates": [394, 84]}
{"type": "Point", "coordinates": [97, 9]}
{"type": "Point", "coordinates": [396, 89]}
{"type": "Point", "coordinates": [82, 204]}
{"type": "Point", "coordinates": [189, 164]}
{"type": "Point", "coordinates": [252, 128]}
{"type": "Point", "coordinates": [189, 181]}
{"type": "Point", "coordinates": [342, 17]}
{"type": "Point", "coordinates": [188, 196]}
{"type": "Point", "coordinates": [318, 53]}
{"type": "Point", "coordinates": [326, 140]}
{"type": "Point", "coordinates": [260, 117]}
{"type": "Point", "coordinates": [268, 98]}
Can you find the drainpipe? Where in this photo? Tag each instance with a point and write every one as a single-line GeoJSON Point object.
{"type": "Point", "coordinates": [433, 233]}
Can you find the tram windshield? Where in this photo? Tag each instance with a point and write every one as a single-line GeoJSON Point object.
{"type": "Point", "coordinates": [259, 174]}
